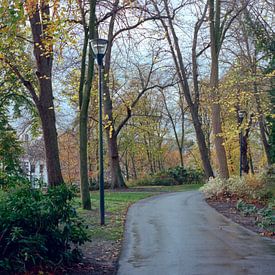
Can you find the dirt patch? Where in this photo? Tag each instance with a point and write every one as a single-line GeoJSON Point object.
{"type": "Point", "coordinates": [100, 257]}
{"type": "Point", "coordinates": [229, 210]}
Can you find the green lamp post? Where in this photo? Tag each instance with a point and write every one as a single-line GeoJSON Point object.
{"type": "Point", "coordinates": [99, 47]}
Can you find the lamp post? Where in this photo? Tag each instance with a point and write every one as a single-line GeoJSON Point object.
{"type": "Point", "coordinates": [241, 115]}
{"type": "Point", "coordinates": [99, 47]}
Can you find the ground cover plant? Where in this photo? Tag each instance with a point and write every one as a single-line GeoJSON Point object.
{"type": "Point", "coordinates": [264, 217]}
{"type": "Point", "coordinates": [252, 196]}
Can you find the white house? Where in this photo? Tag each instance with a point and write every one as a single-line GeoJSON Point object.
{"type": "Point", "coordinates": [33, 162]}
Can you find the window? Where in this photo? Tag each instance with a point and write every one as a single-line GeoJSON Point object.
{"type": "Point", "coordinates": [41, 169]}
{"type": "Point", "coordinates": [32, 168]}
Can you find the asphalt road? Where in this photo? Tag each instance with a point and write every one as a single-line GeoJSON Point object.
{"type": "Point", "coordinates": [179, 233]}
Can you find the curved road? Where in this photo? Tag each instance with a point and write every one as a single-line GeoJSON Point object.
{"type": "Point", "coordinates": [179, 234]}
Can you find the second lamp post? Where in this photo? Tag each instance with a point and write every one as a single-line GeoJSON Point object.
{"type": "Point", "coordinates": [99, 47]}
{"type": "Point", "coordinates": [241, 115]}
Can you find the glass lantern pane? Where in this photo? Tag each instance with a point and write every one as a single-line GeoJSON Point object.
{"type": "Point", "coordinates": [99, 46]}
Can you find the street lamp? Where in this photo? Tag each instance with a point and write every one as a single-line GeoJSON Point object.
{"type": "Point", "coordinates": [99, 47]}
{"type": "Point", "coordinates": [241, 115]}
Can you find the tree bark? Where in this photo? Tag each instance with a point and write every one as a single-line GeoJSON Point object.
{"type": "Point", "coordinates": [84, 101]}
{"type": "Point", "coordinates": [134, 166]}
{"type": "Point", "coordinates": [202, 146]}
{"type": "Point", "coordinates": [215, 32]}
{"type": "Point", "coordinates": [267, 147]}
{"type": "Point", "coordinates": [47, 117]}
{"type": "Point", "coordinates": [127, 166]}
{"type": "Point", "coordinates": [251, 162]}
{"type": "Point", "coordinates": [39, 19]}
{"type": "Point", "coordinates": [245, 161]}
{"type": "Point", "coordinates": [117, 180]}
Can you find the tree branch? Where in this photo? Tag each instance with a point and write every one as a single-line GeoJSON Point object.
{"type": "Point", "coordinates": [25, 82]}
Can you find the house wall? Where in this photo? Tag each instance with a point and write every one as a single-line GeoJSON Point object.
{"type": "Point", "coordinates": [35, 171]}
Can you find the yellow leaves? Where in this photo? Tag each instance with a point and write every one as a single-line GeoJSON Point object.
{"type": "Point", "coordinates": [44, 77]}
{"type": "Point", "coordinates": [109, 125]}
{"type": "Point", "coordinates": [232, 110]}
{"type": "Point", "coordinates": [74, 97]}
{"type": "Point", "coordinates": [111, 131]}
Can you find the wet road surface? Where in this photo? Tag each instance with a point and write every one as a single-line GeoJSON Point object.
{"type": "Point", "coordinates": [180, 234]}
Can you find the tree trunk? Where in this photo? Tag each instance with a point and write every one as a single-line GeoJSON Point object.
{"type": "Point", "coordinates": [39, 20]}
{"type": "Point", "coordinates": [117, 180]}
{"type": "Point", "coordinates": [251, 162]}
{"type": "Point", "coordinates": [202, 145]}
{"type": "Point", "coordinates": [245, 160]}
{"type": "Point", "coordinates": [47, 117]}
{"type": "Point", "coordinates": [134, 167]}
{"type": "Point", "coordinates": [117, 177]}
{"type": "Point", "coordinates": [84, 101]}
{"type": "Point", "coordinates": [127, 166]}
{"type": "Point", "coordinates": [262, 125]}
{"type": "Point", "coordinates": [215, 32]}
{"type": "Point", "coordinates": [218, 141]}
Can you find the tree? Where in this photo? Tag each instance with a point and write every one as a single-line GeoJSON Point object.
{"type": "Point", "coordinates": [10, 147]}
{"type": "Point", "coordinates": [219, 25]}
{"type": "Point", "coordinates": [216, 41]}
{"type": "Point", "coordinates": [119, 10]}
{"type": "Point", "coordinates": [85, 86]}
{"type": "Point", "coordinates": [257, 28]}
{"type": "Point", "coordinates": [175, 49]}
{"type": "Point", "coordinates": [180, 112]}
{"type": "Point", "coordinates": [253, 36]}
{"type": "Point", "coordinates": [40, 89]}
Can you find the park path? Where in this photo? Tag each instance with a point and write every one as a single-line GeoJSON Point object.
{"type": "Point", "coordinates": [179, 234]}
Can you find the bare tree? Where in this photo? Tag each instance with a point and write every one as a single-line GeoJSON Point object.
{"type": "Point", "coordinates": [193, 103]}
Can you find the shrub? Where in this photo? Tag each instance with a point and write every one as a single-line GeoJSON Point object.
{"type": "Point", "coordinates": [94, 184]}
{"type": "Point", "coordinates": [255, 181]}
{"type": "Point", "coordinates": [172, 176]}
{"type": "Point", "coordinates": [268, 174]}
{"type": "Point", "coordinates": [184, 175]}
{"type": "Point", "coordinates": [238, 186]}
{"type": "Point", "coordinates": [242, 187]}
{"type": "Point", "coordinates": [155, 181]}
{"type": "Point", "coordinates": [38, 229]}
{"type": "Point", "coordinates": [11, 179]}
{"type": "Point", "coordinates": [214, 187]}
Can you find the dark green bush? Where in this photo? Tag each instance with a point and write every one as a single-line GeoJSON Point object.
{"type": "Point", "coordinates": [38, 229]}
{"type": "Point", "coordinates": [94, 184]}
{"type": "Point", "coordinates": [12, 179]}
{"type": "Point", "coordinates": [183, 175]}
{"type": "Point", "coordinates": [155, 181]}
{"type": "Point", "coordinates": [172, 176]}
